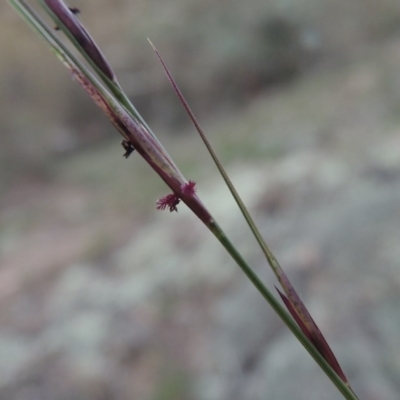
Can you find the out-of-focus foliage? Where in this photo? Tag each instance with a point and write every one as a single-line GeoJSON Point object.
{"type": "Point", "coordinates": [221, 52]}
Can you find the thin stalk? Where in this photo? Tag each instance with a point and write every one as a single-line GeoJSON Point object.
{"type": "Point", "coordinates": [343, 387]}
{"type": "Point", "coordinates": [345, 390]}
{"type": "Point", "coordinates": [273, 262]}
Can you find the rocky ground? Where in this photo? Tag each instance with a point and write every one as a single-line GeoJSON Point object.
{"type": "Point", "coordinates": [122, 307]}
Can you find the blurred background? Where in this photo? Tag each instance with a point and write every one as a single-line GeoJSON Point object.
{"type": "Point", "coordinates": [103, 297]}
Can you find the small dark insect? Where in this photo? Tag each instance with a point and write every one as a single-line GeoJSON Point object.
{"type": "Point", "coordinates": [74, 11]}
{"type": "Point", "coordinates": [129, 149]}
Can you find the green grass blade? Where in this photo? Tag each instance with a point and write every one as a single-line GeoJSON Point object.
{"type": "Point", "coordinates": [344, 388]}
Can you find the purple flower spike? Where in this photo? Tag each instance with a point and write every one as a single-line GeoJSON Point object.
{"type": "Point", "coordinates": [68, 18]}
